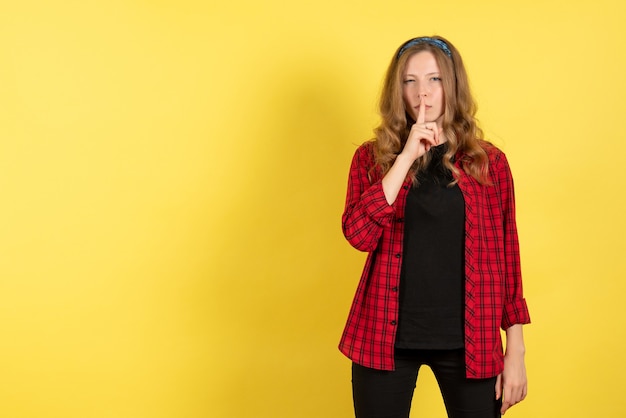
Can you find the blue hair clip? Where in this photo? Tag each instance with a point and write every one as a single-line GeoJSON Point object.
{"type": "Point", "coordinates": [425, 40]}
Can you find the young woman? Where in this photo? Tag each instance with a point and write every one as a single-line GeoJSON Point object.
{"type": "Point", "coordinates": [432, 203]}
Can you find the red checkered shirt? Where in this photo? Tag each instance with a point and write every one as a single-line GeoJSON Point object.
{"type": "Point", "coordinates": [493, 284]}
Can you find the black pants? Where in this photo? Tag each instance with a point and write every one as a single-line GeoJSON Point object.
{"type": "Point", "coordinates": [388, 394]}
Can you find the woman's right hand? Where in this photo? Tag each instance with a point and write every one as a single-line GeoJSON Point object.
{"type": "Point", "coordinates": [422, 137]}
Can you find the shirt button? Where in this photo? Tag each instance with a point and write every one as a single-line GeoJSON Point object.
{"type": "Point", "coordinates": [400, 220]}
{"type": "Point", "coordinates": [393, 322]}
{"type": "Point", "coordinates": [395, 289]}
{"type": "Point", "coordinates": [398, 255]}
{"type": "Point", "coordinates": [405, 187]}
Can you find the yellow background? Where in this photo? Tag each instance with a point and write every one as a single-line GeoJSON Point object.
{"type": "Point", "coordinates": [172, 175]}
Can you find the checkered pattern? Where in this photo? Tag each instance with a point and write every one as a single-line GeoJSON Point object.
{"type": "Point", "coordinates": [493, 284]}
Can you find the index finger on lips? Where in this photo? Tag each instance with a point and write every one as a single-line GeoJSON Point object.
{"type": "Point", "coordinates": [421, 114]}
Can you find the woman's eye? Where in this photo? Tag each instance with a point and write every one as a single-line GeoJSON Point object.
{"type": "Point", "coordinates": [408, 81]}
{"type": "Point", "coordinates": [436, 79]}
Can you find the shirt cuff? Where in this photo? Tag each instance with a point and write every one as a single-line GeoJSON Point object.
{"type": "Point", "coordinates": [377, 207]}
{"type": "Point", "coordinates": [515, 312]}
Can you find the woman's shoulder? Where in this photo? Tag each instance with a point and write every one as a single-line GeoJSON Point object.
{"type": "Point", "coordinates": [495, 154]}
{"type": "Point", "coordinates": [366, 152]}
{"type": "Point", "coordinates": [367, 147]}
{"type": "Point", "coordinates": [364, 160]}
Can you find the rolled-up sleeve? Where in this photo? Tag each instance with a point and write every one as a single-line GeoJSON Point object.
{"type": "Point", "coordinates": [366, 212]}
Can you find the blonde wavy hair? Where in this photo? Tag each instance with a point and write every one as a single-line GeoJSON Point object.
{"type": "Point", "coordinates": [465, 140]}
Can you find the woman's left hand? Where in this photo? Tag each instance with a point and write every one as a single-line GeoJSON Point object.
{"type": "Point", "coordinates": [511, 384]}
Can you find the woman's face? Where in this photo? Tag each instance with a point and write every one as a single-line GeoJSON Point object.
{"type": "Point", "coordinates": [422, 81]}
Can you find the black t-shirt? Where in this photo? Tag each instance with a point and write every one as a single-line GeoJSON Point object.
{"type": "Point", "coordinates": [432, 277]}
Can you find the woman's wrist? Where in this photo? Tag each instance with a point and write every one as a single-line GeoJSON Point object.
{"type": "Point", "coordinates": [403, 162]}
